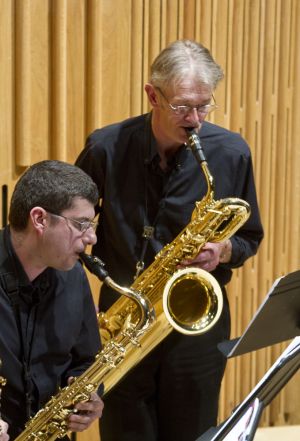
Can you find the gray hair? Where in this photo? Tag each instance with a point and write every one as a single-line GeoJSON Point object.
{"type": "Point", "coordinates": [185, 58]}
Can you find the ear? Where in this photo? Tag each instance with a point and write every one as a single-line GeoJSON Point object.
{"type": "Point", "coordinates": [152, 94]}
{"type": "Point", "coordinates": [38, 218]}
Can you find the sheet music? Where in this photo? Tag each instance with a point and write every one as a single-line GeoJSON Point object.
{"type": "Point", "coordinates": [276, 320]}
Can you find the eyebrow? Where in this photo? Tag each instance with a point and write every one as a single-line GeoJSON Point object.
{"type": "Point", "coordinates": [186, 100]}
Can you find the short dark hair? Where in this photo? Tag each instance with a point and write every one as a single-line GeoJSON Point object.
{"type": "Point", "coordinates": [52, 185]}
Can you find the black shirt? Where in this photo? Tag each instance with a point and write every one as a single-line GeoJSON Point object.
{"type": "Point", "coordinates": [123, 161]}
{"type": "Point", "coordinates": [53, 326]}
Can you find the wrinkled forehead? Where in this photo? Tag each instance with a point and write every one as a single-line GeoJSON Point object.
{"type": "Point", "coordinates": [187, 86]}
{"type": "Point", "coordinates": [191, 76]}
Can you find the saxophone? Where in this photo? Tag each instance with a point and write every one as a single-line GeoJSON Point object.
{"type": "Point", "coordinates": [50, 422]}
{"type": "Point", "coordinates": [162, 298]}
{"type": "Point", "coordinates": [188, 300]}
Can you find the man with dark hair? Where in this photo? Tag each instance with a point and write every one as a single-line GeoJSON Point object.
{"type": "Point", "coordinates": [149, 181]}
{"type": "Point", "coordinates": [48, 331]}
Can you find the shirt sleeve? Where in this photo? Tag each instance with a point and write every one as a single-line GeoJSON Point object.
{"type": "Point", "coordinates": [92, 159]}
{"type": "Point", "coordinates": [246, 240]}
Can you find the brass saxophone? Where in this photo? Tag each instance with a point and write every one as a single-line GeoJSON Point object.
{"type": "Point", "coordinates": [189, 300]}
{"type": "Point", "coordinates": [50, 422]}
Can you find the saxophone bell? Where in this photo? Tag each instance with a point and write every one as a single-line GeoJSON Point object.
{"type": "Point", "coordinates": [192, 301]}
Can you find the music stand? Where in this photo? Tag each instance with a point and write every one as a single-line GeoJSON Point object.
{"type": "Point", "coordinates": [276, 320]}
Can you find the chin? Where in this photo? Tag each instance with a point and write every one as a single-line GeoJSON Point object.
{"type": "Point", "coordinates": [67, 265]}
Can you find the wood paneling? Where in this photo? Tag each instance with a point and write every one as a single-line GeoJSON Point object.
{"type": "Point", "coordinates": [69, 66]}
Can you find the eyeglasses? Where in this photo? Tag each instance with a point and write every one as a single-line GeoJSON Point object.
{"type": "Point", "coordinates": [81, 226]}
{"type": "Point", "coordinates": [185, 110]}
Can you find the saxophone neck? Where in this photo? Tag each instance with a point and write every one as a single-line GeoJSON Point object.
{"type": "Point", "coordinates": [96, 267]}
{"type": "Point", "coordinates": [147, 312]}
{"type": "Point", "coordinates": [195, 146]}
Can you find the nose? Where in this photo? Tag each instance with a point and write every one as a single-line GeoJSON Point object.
{"type": "Point", "coordinates": [89, 237]}
{"type": "Point", "coordinates": [194, 117]}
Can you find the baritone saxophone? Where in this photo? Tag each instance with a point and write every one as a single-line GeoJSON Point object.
{"type": "Point", "coordinates": [188, 300]}
{"type": "Point", "coordinates": [50, 422]}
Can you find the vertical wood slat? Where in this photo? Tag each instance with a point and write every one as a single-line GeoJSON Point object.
{"type": "Point", "coordinates": [23, 92]}
{"type": "Point", "coordinates": [219, 46]}
{"type": "Point", "coordinates": [94, 54]}
{"type": "Point", "coordinates": [172, 18]}
{"type": "Point", "coordinates": [82, 64]}
{"type": "Point", "coordinates": [136, 67]}
{"type": "Point", "coordinates": [155, 19]}
{"type": "Point", "coordinates": [116, 59]}
{"type": "Point", "coordinates": [6, 107]}
{"type": "Point", "coordinates": [32, 81]}
{"type": "Point", "coordinates": [190, 19]}
{"type": "Point", "coordinates": [59, 120]}
{"type": "Point", "coordinates": [76, 77]}
{"type": "Point", "coordinates": [6, 90]}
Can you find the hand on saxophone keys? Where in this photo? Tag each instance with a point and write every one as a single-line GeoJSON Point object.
{"type": "Point", "coordinates": [210, 256]}
{"type": "Point", "coordinates": [85, 412]}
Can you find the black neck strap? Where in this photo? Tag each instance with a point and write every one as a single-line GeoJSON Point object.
{"type": "Point", "coordinates": [148, 230]}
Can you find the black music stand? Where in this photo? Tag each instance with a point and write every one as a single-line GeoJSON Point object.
{"type": "Point", "coordinates": [277, 320]}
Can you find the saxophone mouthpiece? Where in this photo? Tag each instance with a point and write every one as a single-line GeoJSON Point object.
{"type": "Point", "coordinates": [191, 131]}
{"type": "Point", "coordinates": [194, 144]}
{"type": "Point", "coordinates": [94, 265]}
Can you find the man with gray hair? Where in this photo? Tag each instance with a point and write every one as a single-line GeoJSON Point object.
{"type": "Point", "coordinates": [148, 180]}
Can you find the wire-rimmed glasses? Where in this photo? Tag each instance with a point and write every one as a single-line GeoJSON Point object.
{"type": "Point", "coordinates": [81, 226]}
{"type": "Point", "coordinates": [202, 109]}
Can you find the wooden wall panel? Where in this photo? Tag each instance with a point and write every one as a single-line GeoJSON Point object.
{"type": "Point", "coordinates": [69, 66]}
{"type": "Point", "coordinates": [93, 64]}
{"type": "Point", "coordinates": [116, 60]}
{"type": "Point", "coordinates": [6, 105]}
{"type": "Point", "coordinates": [59, 114]}
{"type": "Point", "coordinates": [289, 401]}
{"type": "Point", "coordinates": [136, 65]}
{"type": "Point", "coordinates": [68, 36]}
{"type": "Point", "coordinates": [31, 81]}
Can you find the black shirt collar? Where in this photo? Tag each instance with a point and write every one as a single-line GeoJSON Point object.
{"type": "Point", "coordinates": [151, 153]}
{"type": "Point", "coordinates": [29, 291]}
